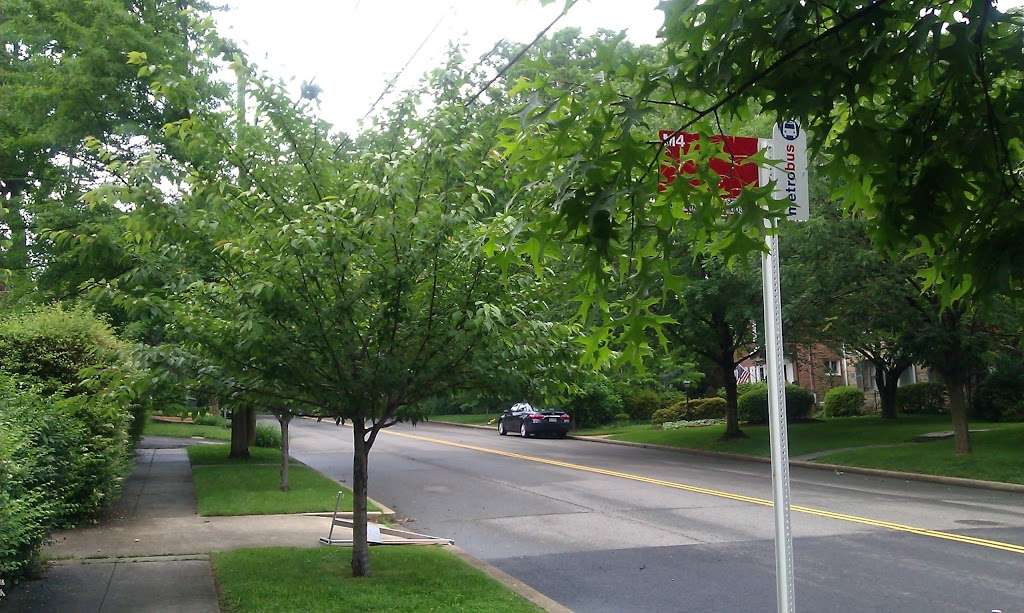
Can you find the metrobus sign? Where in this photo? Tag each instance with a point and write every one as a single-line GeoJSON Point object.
{"type": "Point", "coordinates": [788, 144]}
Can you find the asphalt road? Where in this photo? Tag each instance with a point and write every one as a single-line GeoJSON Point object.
{"type": "Point", "coordinates": [610, 528]}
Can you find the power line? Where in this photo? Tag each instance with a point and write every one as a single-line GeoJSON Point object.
{"type": "Point", "coordinates": [394, 79]}
{"type": "Point", "coordinates": [522, 52]}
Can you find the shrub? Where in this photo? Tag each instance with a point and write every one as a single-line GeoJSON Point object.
{"type": "Point", "coordinates": [50, 346]}
{"type": "Point", "coordinates": [641, 403]}
{"type": "Point", "coordinates": [1000, 396]}
{"type": "Point", "coordinates": [843, 401]}
{"type": "Point", "coordinates": [61, 461]}
{"type": "Point", "coordinates": [210, 419]}
{"type": "Point", "coordinates": [752, 406]}
{"type": "Point", "coordinates": [622, 418]}
{"type": "Point", "coordinates": [596, 404]}
{"type": "Point", "coordinates": [704, 408]}
{"type": "Point", "coordinates": [927, 398]}
{"type": "Point", "coordinates": [268, 436]}
{"type": "Point", "coordinates": [667, 414]}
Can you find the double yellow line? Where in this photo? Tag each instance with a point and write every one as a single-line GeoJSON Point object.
{"type": "Point", "coordinates": [867, 521]}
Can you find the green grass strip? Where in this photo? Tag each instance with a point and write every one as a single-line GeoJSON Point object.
{"type": "Point", "coordinates": [403, 579]}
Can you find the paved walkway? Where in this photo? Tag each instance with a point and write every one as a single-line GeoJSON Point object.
{"type": "Point", "coordinates": [151, 551]}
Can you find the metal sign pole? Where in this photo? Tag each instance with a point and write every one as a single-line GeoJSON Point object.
{"type": "Point", "coordinates": [777, 425]}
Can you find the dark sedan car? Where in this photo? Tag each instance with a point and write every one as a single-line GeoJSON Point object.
{"type": "Point", "coordinates": [529, 421]}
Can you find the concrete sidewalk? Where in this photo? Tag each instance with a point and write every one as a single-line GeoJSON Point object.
{"type": "Point", "coordinates": [150, 552]}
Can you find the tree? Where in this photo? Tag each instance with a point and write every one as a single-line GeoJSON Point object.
{"type": "Point", "coordinates": [62, 65]}
{"type": "Point", "coordinates": [843, 292]}
{"type": "Point", "coordinates": [715, 316]}
{"type": "Point", "coordinates": [916, 109]}
{"type": "Point", "coordinates": [335, 277]}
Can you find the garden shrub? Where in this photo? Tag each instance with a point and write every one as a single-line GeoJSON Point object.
{"type": "Point", "coordinates": [210, 419]}
{"type": "Point", "coordinates": [928, 398]}
{"type": "Point", "coordinates": [622, 418]}
{"type": "Point", "coordinates": [641, 403]}
{"type": "Point", "coordinates": [50, 346]}
{"type": "Point", "coordinates": [61, 461]}
{"type": "Point", "coordinates": [843, 401]}
{"type": "Point", "coordinates": [595, 404]}
{"type": "Point", "coordinates": [704, 408]}
{"type": "Point", "coordinates": [268, 436]}
{"type": "Point", "coordinates": [752, 406]}
{"type": "Point", "coordinates": [665, 415]}
{"type": "Point", "coordinates": [1000, 395]}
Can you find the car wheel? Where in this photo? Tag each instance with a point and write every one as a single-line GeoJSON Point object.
{"type": "Point", "coordinates": [501, 428]}
{"type": "Point", "coordinates": [522, 431]}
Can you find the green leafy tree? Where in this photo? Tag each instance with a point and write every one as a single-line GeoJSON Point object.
{"type": "Point", "coordinates": [715, 316]}
{"type": "Point", "coordinates": [333, 277]}
{"type": "Point", "coordinates": [916, 109]}
{"type": "Point", "coordinates": [842, 291]}
{"type": "Point", "coordinates": [62, 65]}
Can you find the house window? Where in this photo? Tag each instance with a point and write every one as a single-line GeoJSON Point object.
{"type": "Point", "coordinates": [831, 368]}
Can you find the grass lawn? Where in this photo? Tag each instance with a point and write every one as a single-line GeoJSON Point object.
{"type": "Point", "coordinates": [998, 456]}
{"type": "Point", "coordinates": [803, 437]}
{"type": "Point", "coordinates": [477, 418]}
{"type": "Point", "coordinates": [406, 578]}
{"type": "Point", "coordinates": [247, 489]}
{"type": "Point", "coordinates": [207, 455]}
{"type": "Point", "coordinates": [160, 428]}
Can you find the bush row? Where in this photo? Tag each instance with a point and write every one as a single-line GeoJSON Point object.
{"type": "Point", "coordinates": [691, 410]}
{"type": "Point", "coordinates": [65, 438]}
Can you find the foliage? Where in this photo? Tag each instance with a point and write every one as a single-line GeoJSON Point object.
{"type": "Point", "coordinates": [622, 418]}
{"type": "Point", "coordinates": [753, 405]}
{"type": "Point", "coordinates": [51, 346]}
{"type": "Point", "coordinates": [595, 403]}
{"type": "Point", "coordinates": [1000, 396]}
{"type": "Point", "coordinates": [692, 410]}
{"type": "Point", "coordinates": [61, 461]}
{"type": "Point", "coordinates": [926, 398]}
{"type": "Point", "coordinates": [210, 419]}
{"type": "Point", "coordinates": [843, 401]}
{"type": "Point", "coordinates": [704, 408]}
{"type": "Point", "coordinates": [877, 85]}
{"type": "Point", "coordinates": [641, 403]}
{"type": "Point", "coordinates": [268, 436]}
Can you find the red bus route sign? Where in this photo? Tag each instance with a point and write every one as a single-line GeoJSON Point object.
{"type": "Point", "coordinates": [734, 173]}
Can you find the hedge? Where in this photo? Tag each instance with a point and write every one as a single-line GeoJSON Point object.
{"type": "Point", "coordinates": [752, 406]}
{"type": "Point", "coordinates": [696, 409]}
{"type": "Point", "coordinates": [843, 401]}
{"type": "Point", "coordinates": [65, 444]}
{"type": "Point", "coordinates": [641, 404]}
{"type": "Point", "coordinates": [927, 398]}
{"type": "Point", "coordinates": [595, 404]}
{"type": "Point", "coordinates": [1000, 396]}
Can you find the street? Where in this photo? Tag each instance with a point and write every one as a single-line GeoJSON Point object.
{"type": "Point", "coordinates": [611, 528]}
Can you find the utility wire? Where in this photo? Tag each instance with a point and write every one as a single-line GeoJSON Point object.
{"type": "Point", "coordinates": [522, 52]}
{"type": "Point", "coordinates": [394, 79]}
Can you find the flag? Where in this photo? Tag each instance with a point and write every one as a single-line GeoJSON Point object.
{"type": "Point", "coordinates": [742, 374]}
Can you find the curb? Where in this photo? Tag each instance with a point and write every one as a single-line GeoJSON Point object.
{"type": "Point", "coordinates": [452, 423]}
{"type": "Point", "coordinates": [510, 582]}
{"type": "Point", "coordinates": [874, 472]}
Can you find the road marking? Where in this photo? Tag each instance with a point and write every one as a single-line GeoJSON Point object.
{"type": "Point", "coordinates": [867, 521]}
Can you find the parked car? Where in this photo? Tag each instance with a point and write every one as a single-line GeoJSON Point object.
{"type": "Point", "coordinates": [529, 421]}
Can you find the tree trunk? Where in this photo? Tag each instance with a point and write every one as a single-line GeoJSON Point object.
{"type": "Point", "coordinates": [887, 379]}
{"type": "Point", "coordinates": [284, 419]}
{"type": "Point", "coordinates": [958, 411]}
{"type": "Point", "coordinates": [250, 425]}
{"type": "Point", "coordinates": [732, 419]}
{"type": "Point", "coordinates": [239, 436]}
{"type": "Point", "coordinates": [360, 476]}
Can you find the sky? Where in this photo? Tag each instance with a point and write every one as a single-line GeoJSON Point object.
{"type": "Point", "coordinates": [352, 48]}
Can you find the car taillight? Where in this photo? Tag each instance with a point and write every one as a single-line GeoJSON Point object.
{"type": "Point", "coordinates": [565, 417]}
{"type": "Point", "coordinates": [536, 417]}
